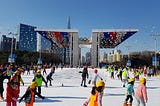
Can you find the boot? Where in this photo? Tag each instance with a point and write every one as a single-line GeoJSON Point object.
{"type": "Point", "coordinates": [125, 104]}
{"type": "Point", "coordinates": [123, 85]}
{"type": "Point", "coordinates": [129, 104]}
{"type": "Point", "coordinates": [85, 85]}
{"type": "Point", "coordinates": [1, 99]}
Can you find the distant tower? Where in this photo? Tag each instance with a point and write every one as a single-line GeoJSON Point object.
{"type": "Point", "coordinates": [68, 23]}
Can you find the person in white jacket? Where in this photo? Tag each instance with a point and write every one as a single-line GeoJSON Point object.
{"type": "Point", "coordinates": [96, 77]}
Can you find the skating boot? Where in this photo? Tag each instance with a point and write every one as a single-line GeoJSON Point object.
{"type": "Point", "coordinates": [123, 85]}
{"type": "Point", "coordinates": [1, 99]}
{"type": "Point", "coordinates": [125, 104]}
{"type": "Point", "coordinates": [129, 104]}
{"type": "Point", "coordinates": [85, 85]}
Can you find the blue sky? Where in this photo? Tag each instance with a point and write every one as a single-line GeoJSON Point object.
{"type": "Point", "coordinates": [87, 15]}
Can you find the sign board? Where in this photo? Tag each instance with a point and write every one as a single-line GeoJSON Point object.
{"type": "Point", "coordinates": [129, 63]}
{"type": "Point", "coordinates": [155, 61]}
{"type": "Point", "coordinates": [11, 58]}
{"type": "Point", "coordinates": [39, 61]}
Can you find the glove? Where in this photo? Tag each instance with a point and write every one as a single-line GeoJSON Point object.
{"type": "Point", "coordinates": [20, 100]}
{"type": "Point", "coordinates": [126, 93]}
{"type": "Point", "coordinates": [14, 99]}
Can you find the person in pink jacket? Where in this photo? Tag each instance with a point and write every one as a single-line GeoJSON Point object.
{"type": "Point", "coordinates": [141, 93]}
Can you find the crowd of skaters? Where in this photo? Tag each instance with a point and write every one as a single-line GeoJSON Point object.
{"type": "Point", "coordinates": [122, 73]}
{"type": "Point", "coordinates": [13, 74]}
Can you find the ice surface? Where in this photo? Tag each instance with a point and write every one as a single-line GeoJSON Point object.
{"type": "Point", "coordinates": [72, 94]}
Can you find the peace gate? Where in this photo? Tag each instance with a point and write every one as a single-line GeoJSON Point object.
{"type": "Point", "coordinates": [101, 38]}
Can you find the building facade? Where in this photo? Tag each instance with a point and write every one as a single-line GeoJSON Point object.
{"type": "Point", "coordinates": [27, 38]}
{"type": "Point", "coordinates": [6, 43]}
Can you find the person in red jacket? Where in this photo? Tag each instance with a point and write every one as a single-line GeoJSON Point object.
{"type": "Point", "coordinates": [11, 93]}
{"type": "Point", "coordinates": [30, 94]}
{"type": "Point", "coordinates": [17, 78]}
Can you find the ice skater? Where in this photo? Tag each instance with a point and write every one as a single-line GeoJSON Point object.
{"type": "Point", "coordinates": [95, 98]}
{"type": "Point", "coordinates": [12, 93]}
{"type": "Point", "coordinates": [49, 76]}
{"type": "Point", "coordinates": [129, 92]}
{"type": "Point", "coordinates": [84, 76]}
{"type": "Point", "coordinates": [3, 76]}
{"type": "Point", "coordinates": [141, 93]}
{"type": "Point", "coordinates": [96, 77]}
{"type": "Point", "coordinates": [39, 79]}
{"type": "Point", "coordinates": [30, 94]}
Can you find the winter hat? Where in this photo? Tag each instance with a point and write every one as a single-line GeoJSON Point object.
{"type": "Point", "coordinates": [33, 85]}
{"type": "Point", "coordinates": [16, 72]}
{"type": "Point", "coordinates": [85, 67]}
{"type": "Point", "coordinates": [142, 80]}
{"type": "Point", "coordinates": [131, 80]}
{"type": "Point", "coordinates": [100, 83]}
{"type": "Point", "coordinates": [38, 71]}
{"type": "Point", "coordinates": [95, 71]}
{"type": "Point", "coordinates": [19, 70]}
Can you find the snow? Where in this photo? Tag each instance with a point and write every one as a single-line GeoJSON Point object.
{"type": "Point", "coordinates": [72, 94]}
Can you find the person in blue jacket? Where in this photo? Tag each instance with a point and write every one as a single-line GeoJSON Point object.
{"type": "Point", "coordinates": [129, 92]}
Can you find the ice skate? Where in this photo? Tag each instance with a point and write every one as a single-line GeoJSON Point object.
{"type": "Point", "coordinates": [1, 99]}
{"type": "Point", "coordinates": [129, 104]}
{"type": "Point", "coordinates": [125, 104]}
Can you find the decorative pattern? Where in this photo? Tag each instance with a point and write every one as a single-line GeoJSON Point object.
{"type": "Point", "coordinates": [112, 39]}
{"type": "Point", "coordinates": [59, 39]}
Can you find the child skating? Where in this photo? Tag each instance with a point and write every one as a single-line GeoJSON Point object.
{"type": "Point", "coordinates": [39, 79]}
{"type": "Point", "coordinates": [129, 92]}
{"type": "Point", "coordinates": [12, 93]}
{"type": "Point", "coordinates": [96, 95]}
{"type": "Point", "coordinates": [141, 93]}
{"type": "Point", "coordinates": [29, 96]}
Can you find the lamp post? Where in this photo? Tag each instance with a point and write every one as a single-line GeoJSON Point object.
{"type": "Point", "coordinates": [11, 57]}
{"type": "Point", "coordinates": [40, 54]}
{"type": "Point", "coordinates": [155, 45]}
{"type": "Point", "coordinates": [128, 61]}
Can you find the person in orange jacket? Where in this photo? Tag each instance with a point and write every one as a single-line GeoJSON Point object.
{"type": "Point", "coordinates": [30, 94]}
{"type": "Point", "coordinates": [96, 94]}
{"type": "Point", "coordinates": [11, 93]}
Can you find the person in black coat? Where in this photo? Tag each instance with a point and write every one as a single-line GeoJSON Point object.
{"type": "Point", "coordinates": [49, 76]}
{"type": "Point", "coordinates": [84, 76]}
{"type": "Point", "coordinates": [3, 76]}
